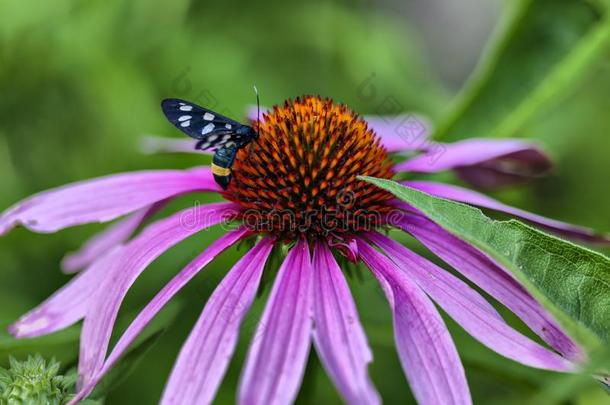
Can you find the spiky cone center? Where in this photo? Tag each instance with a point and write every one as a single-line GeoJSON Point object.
{"type": "Point", "coordinates": [299, 176]}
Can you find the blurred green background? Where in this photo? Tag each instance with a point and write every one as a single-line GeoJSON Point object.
{"type": "Point", "coordinates": [81, 82]}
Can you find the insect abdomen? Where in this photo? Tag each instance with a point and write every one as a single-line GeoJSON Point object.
{"type": "Point", "coordinates": [221, 166]}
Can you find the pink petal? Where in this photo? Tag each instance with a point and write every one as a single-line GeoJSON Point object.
{"type": "Point", "coordinates": [402, 133]}
{"type": "Point", "coordinates": [136, 256]}
{"type": "Point", "coordinates": [427, 353]}
{"type": "Point", "coordinates": [103, 199]}
{"type": "Point", "coordinates": [206, 354]}
{"type": "Point", "coordinates": [484, 162]}
{"type": "Point", "coordinates": [469, 309]}
{"type": "Point", "coordinates": [278, 353]}
{"type": "Point", "coordinates": [460, 194]}
{"type": "Point", "coordinates": [338, 335]}
{"type": "Point", "coordinates": [494, 175]}
{"type": "Point", "coordinates": [67, 305]}
{"type": "Point", "coordinates": [157, 144]}
{"type": "Point", "coordinates": [431, 278]}
{"type": "Point", "coordinates": [104, 241]}
{"type": "Point", "coordinates": [493, 280]}
{"type": "Point", "coordinates": [159, 301]}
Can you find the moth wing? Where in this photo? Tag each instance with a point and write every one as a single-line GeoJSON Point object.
{"type": "Point", "coordinates": [196, 121]}
{"type": "Point", "coordinates": [221, 139]}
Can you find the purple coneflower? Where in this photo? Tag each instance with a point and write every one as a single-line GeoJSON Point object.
{"type": "Point", "coordinates": [298, 188]}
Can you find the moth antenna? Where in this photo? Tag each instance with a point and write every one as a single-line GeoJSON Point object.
{"type": "Point", "coordinates": [258, 109]}
{"type": "Point", "coordinates": [258, 116]}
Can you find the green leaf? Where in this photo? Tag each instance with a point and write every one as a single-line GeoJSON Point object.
{"type": "Point", "coordinates": [571, 281]}
{"type": "Point", "coordinates": [541, 52]}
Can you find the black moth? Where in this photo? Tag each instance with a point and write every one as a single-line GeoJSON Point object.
{"type": "Point", "coordinates": [213, 131]}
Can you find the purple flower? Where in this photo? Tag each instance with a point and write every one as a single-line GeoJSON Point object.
{"type": "Point", "coordinates": [298, 188]}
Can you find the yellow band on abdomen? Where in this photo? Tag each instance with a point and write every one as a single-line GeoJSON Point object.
{"type": "Point", "coordinates": [220, 171]}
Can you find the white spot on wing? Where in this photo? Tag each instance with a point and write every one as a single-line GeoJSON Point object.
{"type": "Point", "coordinates": [226, 138]}
{"type": "Point", "coordinates": [185, 123]}
{"type": "Point", "coordinates": [184, 118]}
{"type": "Point", "coordinates": [229, 144]}
{"type": "Point", "coordinates": [207, 129]}
{"type": "Point", "coordinates": [212, 138]}
{"type": "Point", "coordinates": [208, 117]}
{"type": "Point", "coordinates": [205, 145]}
{"type": "Point", "coordinates": [228, 126]}
{"type": "Point", "coordinates": [186, 107]}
